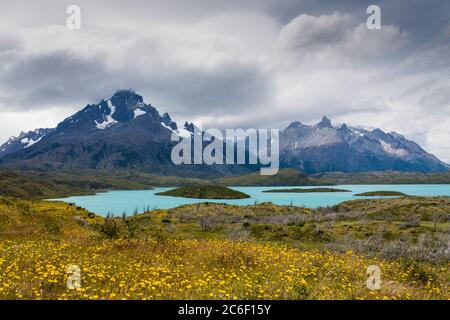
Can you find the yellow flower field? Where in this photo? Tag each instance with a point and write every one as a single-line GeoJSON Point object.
{"type": "Point", "coordinates": [203, 269]}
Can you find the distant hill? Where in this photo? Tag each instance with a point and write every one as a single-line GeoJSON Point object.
{"type": "Point", "coordinates": [386, 177]}
{"type": "Point", "coordinates": [204, 192]}
{"type": "Point", "coordinates": [325, 148]}
{"type": "Point", "coordinates": [41, 185]}
{"type": "Point", "coordinates": [284, 177]}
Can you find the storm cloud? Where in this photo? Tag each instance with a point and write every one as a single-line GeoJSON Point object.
{"type": "Point", "coordinates": [256, 63]}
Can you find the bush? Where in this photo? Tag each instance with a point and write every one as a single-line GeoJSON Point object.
{"type": "Point", "coordinates": [238, 233]}
{"type": "Point", "coordinates": [411, 221]}
{"type": "Point", "coordinates": [301, 291]}
{"type": "Point", "coordinates": [109, 228]}
{"type": "Point", "coordinates": [53, 226]}
{"type": "Point", "coordinates": [207, 223]}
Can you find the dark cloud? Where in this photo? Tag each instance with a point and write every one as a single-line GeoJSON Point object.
{"type": "Point", "coordinates": [224, 90]}
{"type": "Point", "coordinates": [260, 63]}
{"type": "Point", "coordinates": [51, 79]}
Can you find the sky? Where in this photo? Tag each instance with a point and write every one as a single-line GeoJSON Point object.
{"type": "Point", "coordinates": [233, 63]}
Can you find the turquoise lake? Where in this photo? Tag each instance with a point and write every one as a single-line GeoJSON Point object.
{"type": "Point", "coordinates": [129, 201]}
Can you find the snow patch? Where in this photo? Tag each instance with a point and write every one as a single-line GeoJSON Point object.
{"type": "Point", "coordinates": [109, 121]}
{"type": "Point", "coordinates": [183, 133]}
{"type": "Point", "coordinates": [139, 112]}
{"type": "Point", "coordinates": [357, 132]}
{"type": "Point", "coordinates": [27, 142]}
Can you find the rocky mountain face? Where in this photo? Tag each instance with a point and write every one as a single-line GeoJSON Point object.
{"type": "Point", "coordinates": [119, 133]}
{"type": "Point", "coordinates": [124, 132]}
{"type": "Point", "coordinates": [23, 141]}
{"type": "Point", "coordinates": [324, 148]}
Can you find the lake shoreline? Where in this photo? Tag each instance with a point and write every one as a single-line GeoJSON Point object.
{"type": "Point", "coordinates": [119, 201]}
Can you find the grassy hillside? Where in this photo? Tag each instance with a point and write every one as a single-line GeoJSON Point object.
{"type": "Point", "coordinates": [426, 208]}
{"type": "Point", "coordinates": [204, 192]}
{"type": "Point", "coordinates": [306, 190]}
{"type": "Point", "coordinates": [284, 177]}
{"type": "Point", "coordinates": [32, 186]}
{"type": "Point", "coordinates": [217, 251]}
{"type": "Point", "coordinates": [384, 177]}
{"type": "Point", "coordinates": [380, 194]}
{"type": "Point", "coordinates": [41, 185]}
{"type": "Point", "coordinates": [40, 220]}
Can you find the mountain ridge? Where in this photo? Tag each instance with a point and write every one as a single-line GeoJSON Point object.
{"type": "Point", "coordinates": [117, 133]}
{"type": "Point", "coordinates": [323, 147]}
{"type": "Point", "coordinates": [123, 132]}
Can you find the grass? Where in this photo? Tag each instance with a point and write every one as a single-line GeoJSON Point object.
{"type": "Point", "coordinates": [219, 251]}
{"type": "Point", "coordinates": [199, 269]}
{"type": "Point", "coordinates": [306, 190]}
{"type": "Point", "coordinates": [27, 184]}
{"type": "Point", "coordinates": [204, 192]}
{"type": "Point", "coordinates": [383, 177]}
{"type": "Point", "coordinates": [58, 184]}
{"type": "Point", "coordinates": [381, 194]}
{"type": "Point", "coordinates": [284, 177]}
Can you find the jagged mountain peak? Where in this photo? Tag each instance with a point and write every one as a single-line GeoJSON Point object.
{"type": "Point", "coordinates": [312, 149]}
{"type": "Point", "coordinates": [324, 123]}
{"type": "Point", "coordinates": [122, 131]}
{"type": "Point", "coordinates": [127, 99]}
{"type": "Point", "coordinates": [23, 141]}
{"type": "Point", "coordinates": [123, 106]}
{"type": "Point", "coordinates": [295, 124]}
{"type": "Point", "coordinates": [125, 132]}
{"type": "Point", "coordinates": [116, 133]}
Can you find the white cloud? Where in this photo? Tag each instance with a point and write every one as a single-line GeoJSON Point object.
{"type": "Point", "coordinates": [225, 65]}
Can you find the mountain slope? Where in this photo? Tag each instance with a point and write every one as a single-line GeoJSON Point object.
{"type": "Point", "coordinates": [324, 148]}
{"type": "Point", "coordinates": [119, 133]}
{"type": "Point", "coordinates": [23, 141]}
{"type": "Point", "coordinates": [125, 133]}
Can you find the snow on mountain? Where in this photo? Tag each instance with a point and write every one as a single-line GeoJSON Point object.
{"type": "Point", "coordinates": [323, 148]}
{"type": "Point", "coordinates": [122, 132]}
{"type": "Point", "coordinates": [139, 112]}
{"type": "Point", "coordinates": [125, 132]}
{"type": "Point", "coordinates": [108, 119]}
{"type": "Point", "coordinates": [23, 141]}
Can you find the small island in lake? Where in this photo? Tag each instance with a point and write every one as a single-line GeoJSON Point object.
{"type": "Point", "coordinates": [381, 194]}
{"type": "Point", "coordinates": [204, 192]}
{"type": "Point", "coordinates": [301, 190]}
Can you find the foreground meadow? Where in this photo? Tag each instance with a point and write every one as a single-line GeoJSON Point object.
{"type": "Point", "coordinates": [157, 256]}
{"type": "Point", "coordinates": [205, 269]}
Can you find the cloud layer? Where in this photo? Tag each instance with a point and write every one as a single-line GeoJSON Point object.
{"type": "Point", "coordinates": [233, 63]}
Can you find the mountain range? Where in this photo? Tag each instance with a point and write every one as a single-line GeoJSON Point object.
{"type": "Point", "coordinates": [123, 132]}
{"type": "Point", "coordinates": [326, 148]}
{"type": "Point", "coordinates": [117, 133]}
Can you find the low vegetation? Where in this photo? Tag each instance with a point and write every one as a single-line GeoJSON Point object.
{"type": "Point", "coordinates": [381, 194]}
{"type": "Point", "coordinates": [306, 190]}
{"type": "Point", "coordinates": [219, 251]}
{"type": "Point", "coordinates": [58, 184]}
{"type": "Point", "coordinates": [284, 177]}
{"type": "Point", "coordinates": [383, 177]}
{"type": "Point", "coordinates": [204, 192]}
